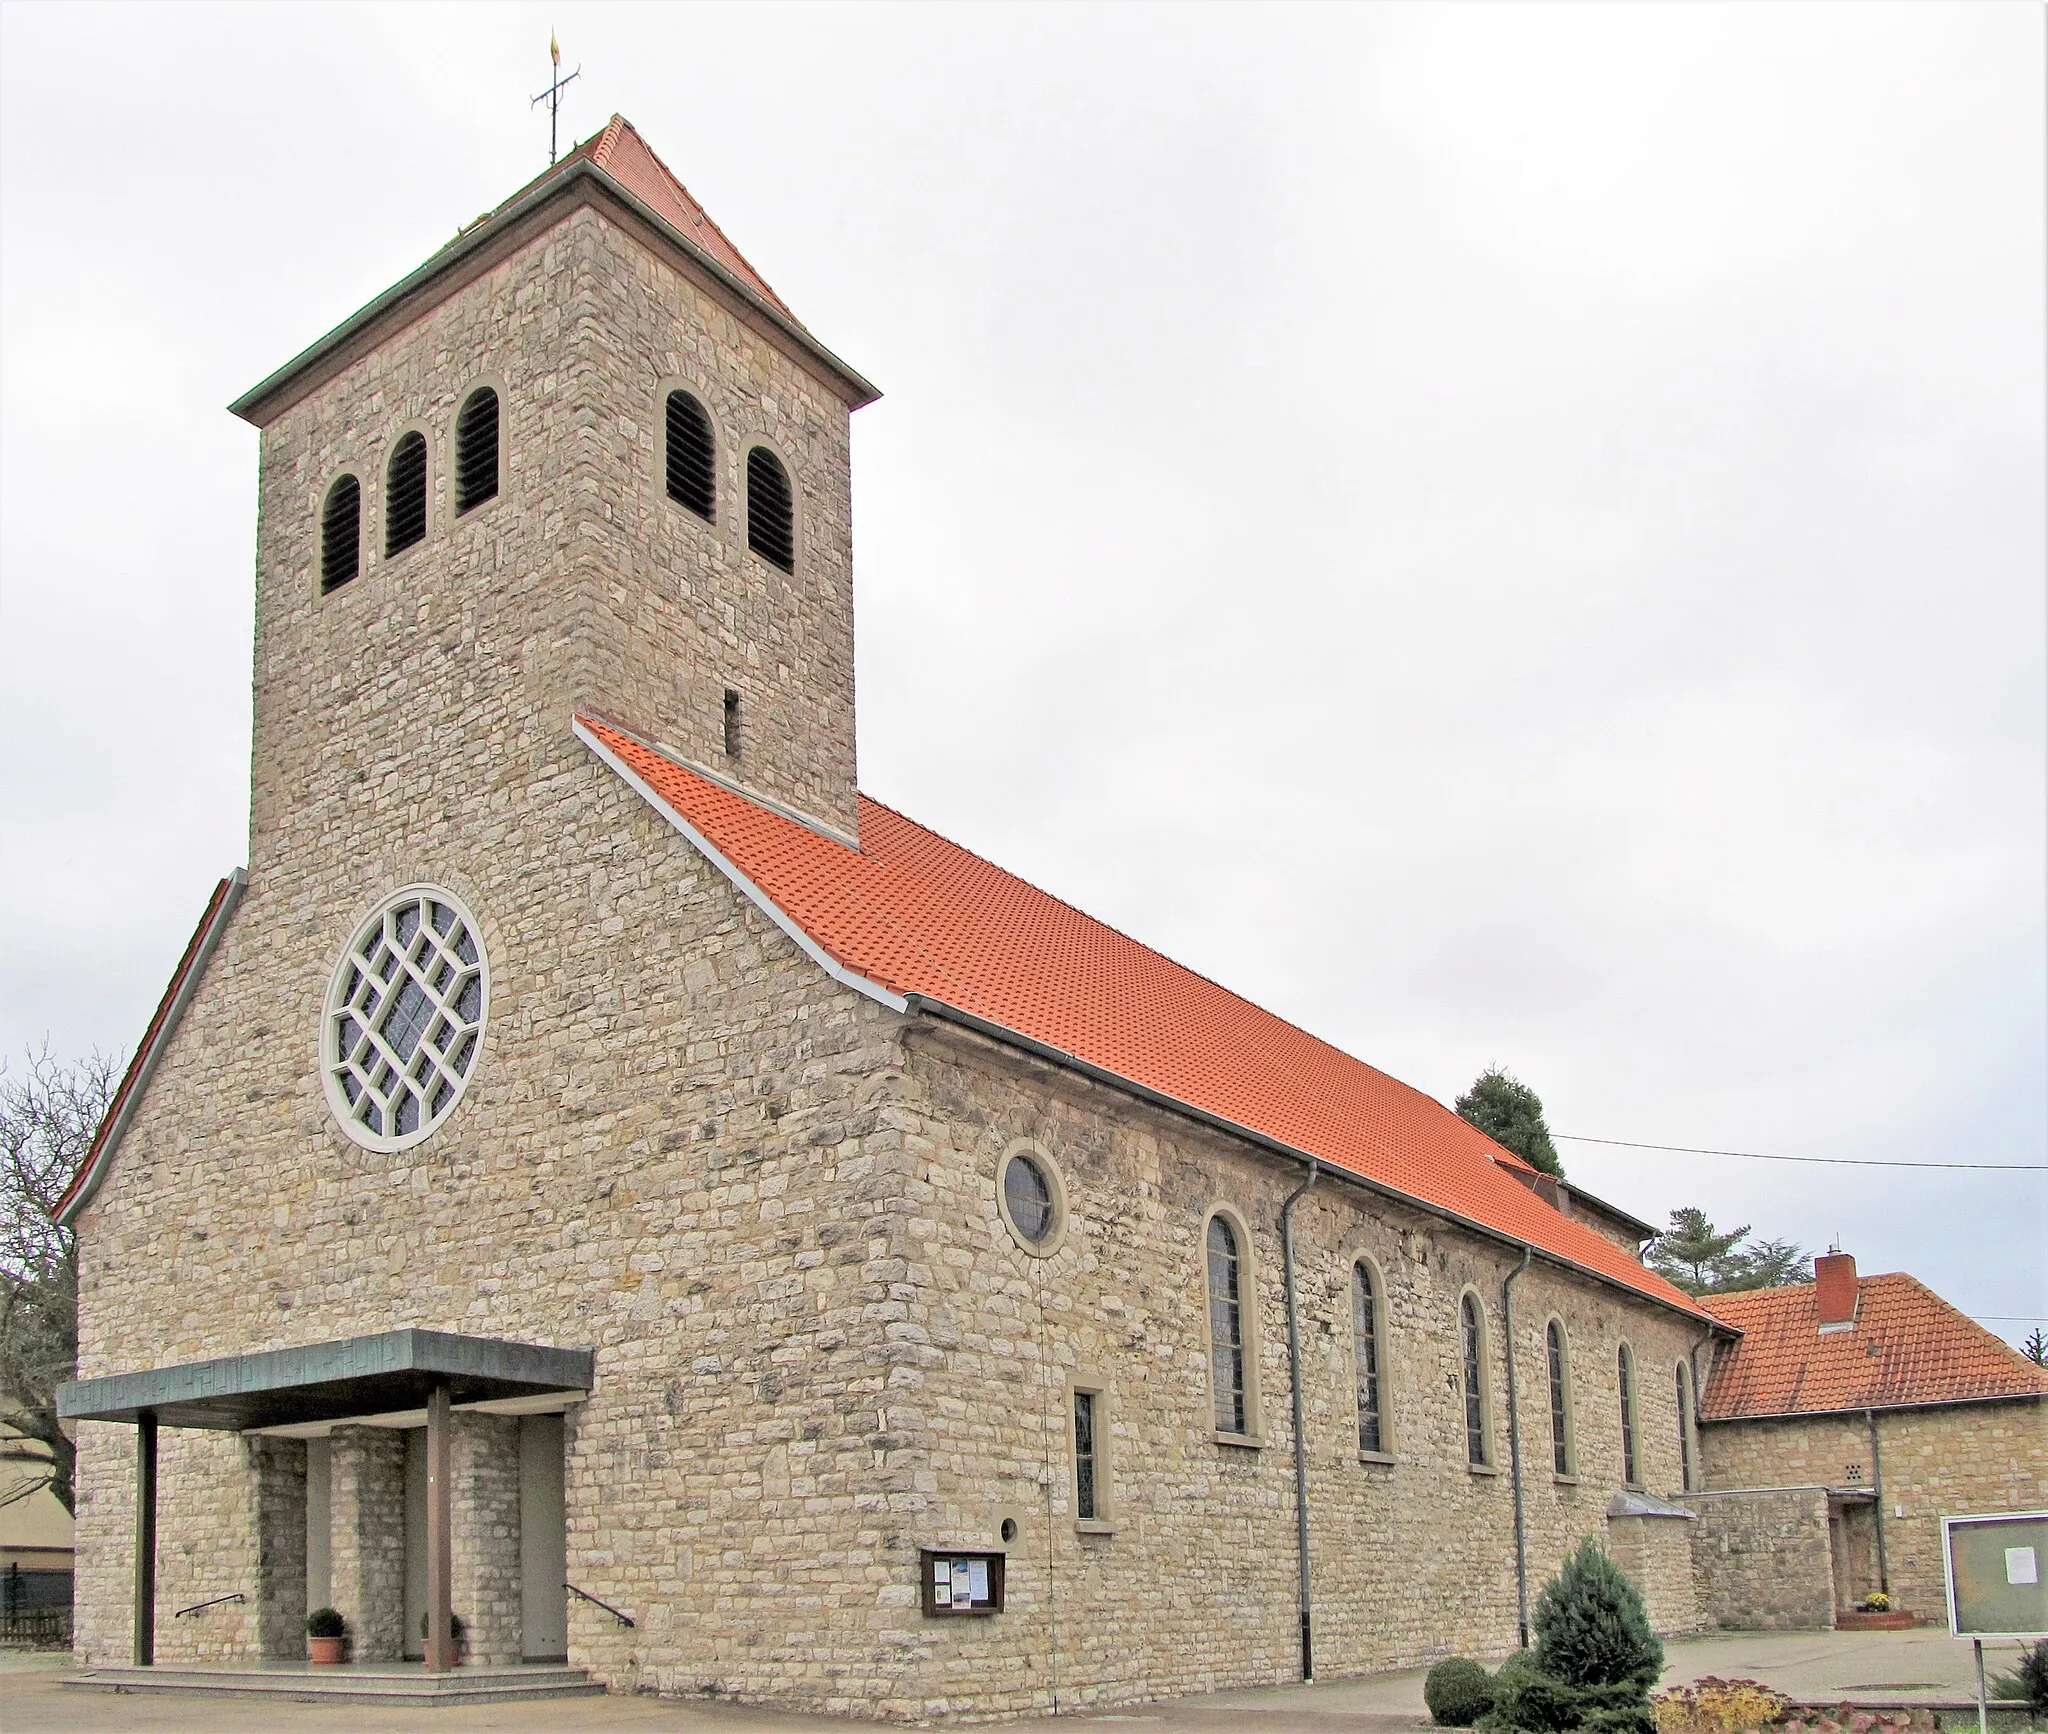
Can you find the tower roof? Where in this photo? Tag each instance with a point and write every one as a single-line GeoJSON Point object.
{"type": "Point", "coordinates": [616, 168]}
{"type": "Point", "coordinates": [628, 158]}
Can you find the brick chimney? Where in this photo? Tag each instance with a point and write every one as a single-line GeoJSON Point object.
{"type": "Point", "coordinates": [1834, 1290]}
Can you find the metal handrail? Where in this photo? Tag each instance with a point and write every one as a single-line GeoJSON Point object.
{"type": "Point", "coordinates": [217, 1600]}
{"type": "Point", "coordinates": [625, 1620]}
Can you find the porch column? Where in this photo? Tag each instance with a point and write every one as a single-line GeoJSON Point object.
{"type": "Point", "coordinates": [440, 1547]}
{"type": "Point", "coordinates": [145, 1539]}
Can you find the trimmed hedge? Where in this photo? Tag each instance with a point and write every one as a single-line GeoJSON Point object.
{"type": "Point", "coordinates": [1458, 1692]}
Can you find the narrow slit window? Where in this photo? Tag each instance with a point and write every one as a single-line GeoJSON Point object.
{"type": "Point", "coordinates": [1684, 1428]}
{"type": "Point", "coordinates": [341, 533]}
{"type": "Point", "coordinates": [771, 513]}
{"type": "Point", "coordinates": [405, 495]}
{"type": "Point", "coordinates": [1226, 1327]}
{"type": "Point", "coordinates": [1365, 1336]}
{"type": "Point", "coordinates": [476, 450]}
{"type": "Point", "coordinates": [1560, 1415]}
{"type": "Point", "coordinates": [690, 455]}
{"type": "Point", "coordinates": [1087, 1505]}
{"type": "Point", "coordinates": [1475, 1394]}
{"type": "Point", "coordinates": [732, 724]}
{"type": "Point", "coordinates": [1626, 1380]}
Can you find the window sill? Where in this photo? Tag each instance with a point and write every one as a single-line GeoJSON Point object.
{"type": "Point", "coordinates": [1377, 1457]}
{"type": "Point", "coordinates": [1482, 1469]}
{"type": "Point", "coordinates": [1243, 1441]}
{"type": "Point", "coordinates": [1565, 1480]}
{"type": "Point", "coordinates": [1094, 1526]}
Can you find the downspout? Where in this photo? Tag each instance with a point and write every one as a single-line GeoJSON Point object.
{"type": "Point", "coordinates": [1507, 1315]}
{"type": "Point", "coordinates": [1884, 1575]}
{"type": "Point", "coordinates": [1692, 1422]}
{"type": "Point", "coordinates": [1308, 1655]}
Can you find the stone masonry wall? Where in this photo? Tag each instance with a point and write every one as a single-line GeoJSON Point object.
{"type": "Point", "coordinates": [1939, 1462]}
{"type": "Point", "coordinates": [1189, 1584]}
{"type": "Point", "coordinates": [366, 1538]}
{"type": "Point", "coordinates": [1761, 1559]}
{"type": "Point", "coordinates": [484, 1499]}
{"type": "Point", "coordinates": [1655, 1553]}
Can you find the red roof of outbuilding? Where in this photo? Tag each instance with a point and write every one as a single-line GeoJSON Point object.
{"type": "Point", "coordinates": [915, 914]}
{"type": "Point", "coordinates": [1907, 1346]}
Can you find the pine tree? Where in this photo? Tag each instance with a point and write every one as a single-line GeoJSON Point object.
{"type": "Point", "coordinates": [2035, 1348]}
{"type": "Point", "coordinates": [1692, 1252]}
{"type": "Point", "coordinates": [1511, 1114]}
{"type": "Point", "coordinates": [1701, 1259]}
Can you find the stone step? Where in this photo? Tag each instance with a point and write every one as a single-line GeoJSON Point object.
{"type": "Point", "coordinates": [355, 1683]}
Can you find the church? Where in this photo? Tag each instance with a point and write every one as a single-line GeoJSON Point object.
{"type": "Point", "coordinates": [600, 1192]}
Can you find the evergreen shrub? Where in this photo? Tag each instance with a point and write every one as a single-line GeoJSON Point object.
{"type": "Point", "coordinates": [1594, 1660]}
{"type": "Point", "coordinates": [1458, 1692]}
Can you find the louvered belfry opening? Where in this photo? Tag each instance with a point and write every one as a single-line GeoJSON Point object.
{"type": "Point", "coordinates": [691, 473]}
{"type": "Point", "coordinates": [341, 533]}
{"type": "Point", "coordinates": [476, 450]}
{"type": "Point", "coordinates": [405, 494]}
{"type": "Point", "coordinates": [771, 519]}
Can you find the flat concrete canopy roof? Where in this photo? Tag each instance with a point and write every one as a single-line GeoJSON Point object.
{"type": "Point", "coordinates": [393, 1370]}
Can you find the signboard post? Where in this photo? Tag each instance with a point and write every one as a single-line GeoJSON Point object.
{"type": "Point", "coordinates": [1997, 1569]}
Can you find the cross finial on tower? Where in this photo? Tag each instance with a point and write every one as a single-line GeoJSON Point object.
{"type": "Point", "coordinates": [552, 96]}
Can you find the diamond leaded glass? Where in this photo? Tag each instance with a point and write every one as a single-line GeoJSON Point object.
{"type": "Point", "coordinates": [404, 1017]}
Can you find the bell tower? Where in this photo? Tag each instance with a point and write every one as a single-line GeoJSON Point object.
{"type": "Point", "coordinates": [584, 459]}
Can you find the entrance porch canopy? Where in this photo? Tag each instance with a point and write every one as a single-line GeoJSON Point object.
{"type": "Point", "coordinates": [358, 1378]}
{"type": "Point", "coordinates": [389, 1372]}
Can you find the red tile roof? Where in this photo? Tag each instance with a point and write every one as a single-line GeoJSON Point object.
{"type": "Point", "coordinates": [627, 157]}
{"type": "Point", "coordinates": [1907, 1346]}
{"type": "Point", "coordinates": [915, 914]}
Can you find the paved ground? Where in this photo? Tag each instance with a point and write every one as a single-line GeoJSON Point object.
{"type": "Point", "coordinates": [1875, 1666]}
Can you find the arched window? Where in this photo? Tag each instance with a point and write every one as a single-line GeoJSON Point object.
{"type": "Point", "coordinates": [1560, 1398]}
{"type": "Point", "coordinates": [771, 515]}
{"type": "Point", "coordinates": [690, 457]}
{"type": "Point", "coordinates": [405, 494]}
{"type": "Point", "coordinates": [1226, 1329]}
{"type": "Point", "coordinates": [341, 533]}
{"type": "Point", "coordinates": [476, 450]}
{"type": "Point", "coordinates": [1365, 1346]}
{"type": "Point", "coordinates": [1478, 1448]}
{"type": "Point", "coordinates": [1685, 1482]}
{"type": "Point", "coordinates": [1625, 1364]}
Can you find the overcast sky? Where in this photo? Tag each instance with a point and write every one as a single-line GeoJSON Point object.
{"type": "Point", "coordinates": [1504, 533]}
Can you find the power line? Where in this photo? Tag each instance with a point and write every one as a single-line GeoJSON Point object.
{"type": "Point", "coordinates": [1825, 1161]}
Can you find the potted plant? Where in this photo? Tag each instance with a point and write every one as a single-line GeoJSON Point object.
{"type": "Point", "coordinates": [326, 1637]}
{"type": "Point", "coordinates": [457, 1630]}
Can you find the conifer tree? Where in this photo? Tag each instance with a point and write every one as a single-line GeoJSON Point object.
{"type": "Point", "coordinates": [1511, 1114]}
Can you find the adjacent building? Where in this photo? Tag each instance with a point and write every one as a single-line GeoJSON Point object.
{"type": "Point", "coordinates": [1851, 1416]}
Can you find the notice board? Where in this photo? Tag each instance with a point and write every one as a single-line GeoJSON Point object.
{"type": "Point", "coordinates": [1997, 1574]}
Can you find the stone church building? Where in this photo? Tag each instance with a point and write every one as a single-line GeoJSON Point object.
{"type": "Point", "coordinates": [594, 1165]}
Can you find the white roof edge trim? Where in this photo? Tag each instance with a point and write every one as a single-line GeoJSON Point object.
{"type": "Point", "coordinates": [748, 889]}
{"type": "Point", "coordinates": [238, 882]}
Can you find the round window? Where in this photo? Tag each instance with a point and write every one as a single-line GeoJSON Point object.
{"type": "Point", "coordinates": [404, 1018]}
{"type": "Point", "coordinates": [1032, 1198]}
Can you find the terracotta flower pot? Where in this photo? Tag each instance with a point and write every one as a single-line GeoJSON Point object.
{"type": "Point", "coordinates": [326, 1652]}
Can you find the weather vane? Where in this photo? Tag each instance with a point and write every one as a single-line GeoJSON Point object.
{"type": "Point", "coordinates": [552, 96]}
